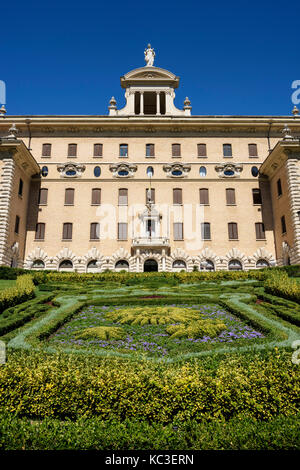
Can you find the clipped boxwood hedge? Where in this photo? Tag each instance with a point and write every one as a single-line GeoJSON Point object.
{"type": "Point", "coordinates": [24, 290]}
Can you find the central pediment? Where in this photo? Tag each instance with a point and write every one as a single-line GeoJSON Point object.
{"type": "Point", "coordinates": [151, 76]}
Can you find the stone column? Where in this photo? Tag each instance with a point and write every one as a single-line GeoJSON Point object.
{"type": "Point", "coordinates": [141, 103]}
{"type": "Point", "coordinates": [293, 180]}
{"type": "Point", "coordinates": [157, 103]}
{"type": "Point", "coordinates": [6, 186]}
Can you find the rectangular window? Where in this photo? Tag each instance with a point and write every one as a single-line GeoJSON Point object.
{"type": "Point", "coordinates": [69, 197]}
{"type": "Point", "coordinates": [149, 150]}
{"type": "Point", "coordinates": [43, 196]}
{"type": "Point", "coordinates": [98, 148]}
{"type": "Point", "coordinates": [279, 188]}
{"type": "Point", "coordinates": [227, 150]}
{"type": "Point", "coordinates": [202, 150]}
{"type": "Point", "coordinates": [96, 197]}
{"type": "Point", "coordinates": [72, 150]}
{"type": "Point", "coordinates": [204, 196]}
{"type": "Point", "coordinates": [260, 231]}
{"type": "Point", "coordinates": [230, 197]}
{"type": "Point", "coordinates": [232, 231]}
{"type": "Point", "coordinates": [20, 191]}
{"type": "Point", "coordinates": [252, 150]}
{"type": "Point", "coordinates": [178, 231]}
{"type": "Point", "coordinates": [177, 196]}
{"type": "Point", "coordinates": [205, 231]}
{"type": "Point", "coordinates": [122, 231]}
{"type": "Point", "coordinates": [46, 150]}
{"type": "Point", "coordinates": [17, 224]}
{"type": "Point", "coordinates": [123, 150]}
{"type": "Point", "coordinates": [123, 197]}
{"type": "Point", "coordinates": [95, 231]}
{"type": "Point", "coordinates": [152, 195]}
{"type": "Point", "coordinates": [40, 231]}
{"type": "Point", "coordinates": [283, 225]}
{"type": "Point", "coordinates": [67, 231]}
{"type": "Point", "coordinates": [256, 196]}
{"type": "Point", "coordinates": [176, 150]}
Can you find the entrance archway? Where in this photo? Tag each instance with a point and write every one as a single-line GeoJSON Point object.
{"type": "Point", "coordinates": [150, 265]}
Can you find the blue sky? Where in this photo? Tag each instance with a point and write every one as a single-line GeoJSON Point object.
{"type": "Point", "coordinates": [233, 58]}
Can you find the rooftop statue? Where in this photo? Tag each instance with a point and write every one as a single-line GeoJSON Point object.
{"type": "Point", "coordinates": [149, 56]}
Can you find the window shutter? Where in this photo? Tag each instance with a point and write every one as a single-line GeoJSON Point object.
{"type": "Point", "coordinates": [176, 150]}
{"type": "Point", "coordinates": [152, 195]}
{"type": "Point", "coordinates": [202, 150]}
{"type": "Point", "coordinates": [123, 197]}
{"type": "Point", "coordinates": [122, 231]}
{"type": "Point", "coordinates": [67, 231]}
{"type": "Point", "coordinates": [230, 196]}
{"type": "Point", "coordinates": [227, 150]}
{"type": "Point", "coordinates": [178, 231]}
{"type": "Point", "coordinates": [72, 150]}
{"type": "Point", "coordinates": [43, 196]}
{"type": "Point", "coordinates": [96, 197]}
{"type": "Point", "coordinates": [252, 150]}
{"type": "Point", "coordinates": [98, 150]}
{"type": "Point", "coordinates": [95, 231]}
{"type": "Point", "coordinates": [205, 231]}
{"type": "Point", "coordinates": [46, 150]}
{"type": "Point", "coordinates": [204, 196]}
{"type": "Point", "coordinates": [40, 231]}
{"type": "Point", "coordinates": [232, 231]}
{"type": "Point", "coordinates": [177, 196]}
{"type": "Point", "coordinates": [149, 150]}
{"type": "Point", "coordinates": [260, 231]}
{"type": "Point", "coordinates": [69, 197]}
{"type": "Point", "coordinates": [256, 195]}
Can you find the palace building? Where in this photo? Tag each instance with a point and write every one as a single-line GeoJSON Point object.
{"type": "Point", "coordinates": [149, 187]}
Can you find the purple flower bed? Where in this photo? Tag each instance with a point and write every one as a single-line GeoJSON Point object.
{"type": "Point", "coordinates": [153, 339]}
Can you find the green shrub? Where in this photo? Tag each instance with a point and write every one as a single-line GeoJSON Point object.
{"type": "Point", "coordinates": [280, 284]}
{"type": "Point", "coordinates": [24, 290]}
{"type": "Point", "coordinates": [260, 386]}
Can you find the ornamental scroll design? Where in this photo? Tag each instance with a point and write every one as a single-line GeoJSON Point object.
{"type": "Point", "coordinates": [70, 170]}
{"type": "Point", "coordinates": [123, 170]}
{"type": "Point", "coordinates": [229, 170]}
{"type": "Point", "coordinates": [177, 170]}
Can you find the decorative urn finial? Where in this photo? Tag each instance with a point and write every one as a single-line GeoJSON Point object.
{"type": "Point", "coordinates": [295, 111]}
{"type": "Point", "coordinates": [2, 111]}
{"type": "Point", "coordinates": [186, 103]}
{"type": "Point", "coordinates": [286, 131]}
{"type": "Point", "coordinates": [149, 56]}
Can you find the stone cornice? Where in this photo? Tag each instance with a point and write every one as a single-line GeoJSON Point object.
{"type": "Point", "coordinates": [22, 156]}
{"type": "Point", "coordinates": [284, 149]}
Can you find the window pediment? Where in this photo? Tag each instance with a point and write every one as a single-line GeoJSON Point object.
{"type": "Point", "coordinates": [71, 170]}
{"type": "Point", "coordinates": [123, 170]}
{"type": "Point", "coordinates": [177, 170]}
{"type": "Point", "coordinates": [229, 170]}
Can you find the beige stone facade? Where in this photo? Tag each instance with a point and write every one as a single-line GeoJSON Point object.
{"type": "Point", "coordinates": [209, 208]}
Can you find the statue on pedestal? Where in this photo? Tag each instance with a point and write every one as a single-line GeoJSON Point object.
{"type": "Point", "coordinates": [149, 56]}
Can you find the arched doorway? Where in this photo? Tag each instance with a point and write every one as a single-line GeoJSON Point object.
{"type": "Point", "coordinates": [122, 265]}
{"type": "Point", "coordinates": [150, 265]}
{"type": "Point", "coordinates": [66, 265]}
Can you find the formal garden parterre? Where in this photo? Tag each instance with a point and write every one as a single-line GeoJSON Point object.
{"type": "Point", "coordinates": [167, 350]}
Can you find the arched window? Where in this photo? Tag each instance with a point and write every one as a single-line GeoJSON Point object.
{"type": "Point", "coordinates": [254, 171]}
{"type": "Point", "coordinates": [202, 171]}
{"type": "Point", "coordinates": [122, 265]}
{"type": "Point", "coordinates": [207, 265]}
{"type": "Point", "coordinates": [44, 171]}
{"type": "Point", "coordinates": [97, 171]}
{"type": "Point", "coordinates": [66, 265]}
{"type": "Point", "coordinates": [150, 171]}
{"type": "Point", "coordinates": [262, 263]}
{"type": "Point", "coordinates": [235, 265]}
{"type": "Point", "coordinates": [38, 264]}
{"type": "Point", "coordinates": [179, 265]}
{"type": "Point", "coordinates": [92, 266]}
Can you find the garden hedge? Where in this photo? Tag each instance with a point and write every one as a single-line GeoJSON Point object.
{"type": "Point", "coordinates": [39, 385]}
{"type": "Point", "coordinates": [24, 290]}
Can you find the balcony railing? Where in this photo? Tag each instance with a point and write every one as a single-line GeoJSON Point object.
{"type": "Point", "coordinates": [150, 241]}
